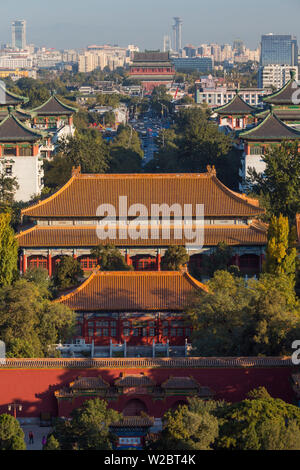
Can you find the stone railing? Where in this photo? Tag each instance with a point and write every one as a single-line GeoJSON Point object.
{"type": "Point", "coordinates": [145, 363]}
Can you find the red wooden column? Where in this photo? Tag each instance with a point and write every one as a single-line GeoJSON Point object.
{"type": "Point", "coordinates": [24, 269]}
{"type": "Point", "coordinates": [127, 259]}
{"type": "Point", "coordinates": [49, 264]}
{"type": "Point", "coordinates": [158, 261]}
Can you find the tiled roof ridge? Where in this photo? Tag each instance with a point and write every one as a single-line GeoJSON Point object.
{"type": "Point", "coordinates": [25, 99]}
{"type": "Point", "coordinates": [232, 101]}
{"type": "Point", "coordinates": [53, 97]}
{"type": "Point", "coordinates": [78, 288]}
{"type": "Point", "coordinates": [237, 196]}
{"type": "Point", "coordinates": [38, 134]}
{"type": "Point", "coordinates": [148, 363]}
{"type": "Point", "coordinates": [194, 282]}
{"type": "Point", "coordinates": [53, 196]}
{"type": "Point", "coordinates": [278, 92]}
{"type": "Point", "coordinates": [270, 116]}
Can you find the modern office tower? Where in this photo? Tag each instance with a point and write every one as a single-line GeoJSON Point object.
{"type": "Point", "coordinates": [19, 34]}
{"type": "Point", "coordinates": [239, 46]}
{"type": "Point", "coordinates": [177, 32]}
{"type": "Point", "coordinates": [279, 49]}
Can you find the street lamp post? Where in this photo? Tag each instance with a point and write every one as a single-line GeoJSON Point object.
{"type": "Point", "coordinates": [14, 407]}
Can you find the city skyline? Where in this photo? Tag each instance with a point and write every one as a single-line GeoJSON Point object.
{"type": "Point", "coordinates": [96, 23]}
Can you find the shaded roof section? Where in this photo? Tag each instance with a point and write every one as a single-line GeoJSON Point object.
{"type": "Point", "coordinates": [134, 422]}
{"type": "Point", "coordinates": [80, 236]}
{"type": "Point", "coordinates": [7, 98]}
{"type": "Point", "coordinates": [290, 114]}
{"type": "Point", "coordinates": [12, 130]}
{"type": "Point", "coordinates": [88, 383]}
{"type": "Point", "coordinates": [135, 380]}
{"type": "Point", "coordinates": [53, 107]}
{"type": "Point", "coordinates": [286, 95]}
{"type": "Point", "coordinates": [133, 291]}
{"type": "Point", "coordinates": [271, 128]}
{"type": "Point", "coordinates": [236, 106]}
{"type": "Point", "coordinates": [180, 382]}
{"type": "Point", "coordinates": [151, 56]}
{"type": "Point", "coordinates": [84, 193]}
{"type": "Point", "coordinates": [20, 114]}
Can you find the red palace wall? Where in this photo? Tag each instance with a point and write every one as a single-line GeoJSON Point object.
{"type": "Point", "coordinates": [34, 387]}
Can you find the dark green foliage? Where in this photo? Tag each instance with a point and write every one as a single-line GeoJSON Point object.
{"type": "Point", "coordinates": [110, 258]}
{"type": "Point", "coordinates": [174, 258]}
{"type": "Point", "coordinates": [88, 429]}
{"type": "Point", "coordinates": [67, 273]}
{"type": "Point", "coordinates": [11, 434]}
{"type": "Point", "coordinates": [280, 182]}
{"type": "Point", "coordinates": [235, 318]}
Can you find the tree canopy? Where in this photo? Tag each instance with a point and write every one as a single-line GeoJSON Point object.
{"type": "Point", "coordinates": [11, 434]}
{"type": "Point", "coordinates": [8, 250]}
{"type": "Point", "coordinates": [110, 258]}
{"type": "Point", "coordinates": [88, 429]}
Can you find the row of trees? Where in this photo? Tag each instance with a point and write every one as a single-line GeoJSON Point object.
{"type": "Point", "coordinates": [259, 422]}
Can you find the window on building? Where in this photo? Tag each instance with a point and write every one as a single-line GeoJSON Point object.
{"type": "Point", "coordinates": [256, 150]}
{"type": "Point", "coordinates": [10, 152]}
{"type": "Point", "coordinates": [26, 152]}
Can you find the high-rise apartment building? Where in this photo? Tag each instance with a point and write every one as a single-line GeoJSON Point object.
{"type": "Point", "coordinates": [279, 49]}
{"type": "Point", "coordinates": [19, 34]}
{"type": "Point", "coordinates": [177, 32]}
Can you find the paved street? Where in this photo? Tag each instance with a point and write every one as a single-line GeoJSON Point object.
{"type": "Point", "coordinates": [38, 433]}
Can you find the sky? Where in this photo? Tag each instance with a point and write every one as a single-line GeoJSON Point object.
{"type": "Point", "coordinates": [65, 24]}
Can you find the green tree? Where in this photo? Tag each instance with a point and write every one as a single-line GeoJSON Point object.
{"type": "Point", "coordinates": [189, 427]}
{"type": "Point", "coordinates": [280, 181]}
{"type": "Point", "coordinates": [125, 150]}
{"type": "Point", "coordinates": [11, 434]}
{"type": "Point", "coordinates": [67, 273]}
{"type": "Point", "coordinates": [218, 260]}
{"type": "Point", "coordinates": [280, 256]}
{"type": "Point", "coordinates": [89, 427]}
{"type": "Point", "coordinates": [174, 258]}
{"type": "Point", "coordinates": [51, 444]}
{"type": "Point", "coordinates": [30, 323]}
{"type": "Point", "coordinates": [8, 251]}
{"type": "Point", "coordinates": [110, 258]}
{"type": "Point", "coordinates": [239, 318]}
{"type": "Point", "coordinates": [259, 424]}
{"type": "Point", "coordinates": [8, 187]}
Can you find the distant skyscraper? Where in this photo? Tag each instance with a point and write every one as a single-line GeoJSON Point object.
{"type": "Point", "coordinates": [167, 43]}
{"type": "Point", "coordinates": [279, 49]}
{"type": "Point", "coordinates": [19, 34]}
{"type": "Point", "coordinates": [177, 34]}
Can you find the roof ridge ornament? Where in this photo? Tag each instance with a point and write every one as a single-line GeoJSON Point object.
{"type": "Point", "coordinates": [76, 170]}
{"type": "Point", "coordinates": [211, 170]}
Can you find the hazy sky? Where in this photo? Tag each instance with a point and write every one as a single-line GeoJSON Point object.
{"type": "Point", "coordinates": [77, 23]}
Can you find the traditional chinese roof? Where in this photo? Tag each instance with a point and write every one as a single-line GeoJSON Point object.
{"type": "Point", "coordinates": [236, 106]}
{"type": "Point", "coordinates": [137, 380]}
{"type": "Point", "coordinates": [154, 56]}
{"type": "Point", "coordinates": [291, 114]}
{"type": "Point", "coordinates": [83, 193]}
{"type": "Point", "coordinates": [133, 290]}
{"type": "Point", "coordinates": [88, 383]}
{"type": "Point", "coordinates": [271, 128]}
{"type": "Point", "coordinates": [134, 422]}
{"type": "Point", "coordinates": [20, 114]}
{"type": "Point", "coordinates": [180, 382]}
{"type": "Point", "coordinates": [286, 95]}
{"type": "Point", "coordinates": [12, 130]}
{"type": "Point", "coordinates": [84, 236]}
{"type": "Point", "coordinates": [7, 98]}
{"type": "Point", "coordinates": [53, 107]}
